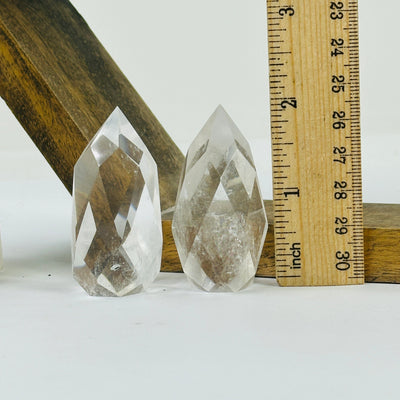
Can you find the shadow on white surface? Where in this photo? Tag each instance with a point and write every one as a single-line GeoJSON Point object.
{"type": "Point", "coordinates": [41, 266]}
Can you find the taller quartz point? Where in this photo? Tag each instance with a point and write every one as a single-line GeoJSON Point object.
{"type": "Point", "coordinates": [117, 237]}
{"type": "Point", "coordinates": [219, 224]}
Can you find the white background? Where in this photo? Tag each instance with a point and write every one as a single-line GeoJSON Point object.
{"type": "Point", "coordinates": [185, 57]}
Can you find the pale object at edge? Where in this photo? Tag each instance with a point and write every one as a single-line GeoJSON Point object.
{"type": "Point", "coordinates": [1, 255]}
{"type": "Point", "coordinates": [219, 224]}
{"type": "Point", "coordinates": [117, 236]}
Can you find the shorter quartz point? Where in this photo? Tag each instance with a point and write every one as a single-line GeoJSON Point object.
{"type": "Point", "coordinates": [117, 236]}
{"type": "Point", "coordinates": [219, 224]}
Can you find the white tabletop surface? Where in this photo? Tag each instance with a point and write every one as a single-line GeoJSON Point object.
{"type": "Point", "coordinates": [174, 341]}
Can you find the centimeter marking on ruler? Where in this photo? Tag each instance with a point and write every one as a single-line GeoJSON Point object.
{"type": "Point", "coordinates": [315, 124]}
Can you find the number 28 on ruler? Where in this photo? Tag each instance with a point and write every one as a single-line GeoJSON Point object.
{"type": "Point", "coordinates": [315, 124]}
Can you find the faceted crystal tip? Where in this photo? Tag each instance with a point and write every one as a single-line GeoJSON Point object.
{"type": "Point", "coordinates": [219, 128]}
{"type": "Point", "coordinates": [117, 237]}
{"type": "Point", "coordinates": [219, 224]}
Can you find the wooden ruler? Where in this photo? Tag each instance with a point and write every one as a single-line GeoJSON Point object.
{"type": "Point", "coordinates": [315, 123]}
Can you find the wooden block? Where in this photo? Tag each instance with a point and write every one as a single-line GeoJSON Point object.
{"type": "Point", "coordinates": [382, 242]}
{"type": "Point", "coordinates": [61, 84]}
{"type": "Point", "coordinates": [381, 236]}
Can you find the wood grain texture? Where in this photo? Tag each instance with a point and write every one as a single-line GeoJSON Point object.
{"type": "Point", "coordinates": [382, 242]}
{"type": "Point", "coordinates": [381, 238]}
{"type": "Point", "coordinates": [61, 84]}
{"type": "Point", "coordinates": [316, 151]}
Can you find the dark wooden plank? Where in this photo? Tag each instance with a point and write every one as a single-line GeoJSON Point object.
{"type": "Point", "coordinates": [382, 242]}
{"type": "Point", "coordinates": [381, 235]}
{"type": "Point", "coordinates": [61, 84]}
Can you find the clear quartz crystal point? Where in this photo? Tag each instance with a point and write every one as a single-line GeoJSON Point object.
{"type": "Point", "coordinates": [219, 224]}
{"type": "Point", "coordinates": [117, 236]}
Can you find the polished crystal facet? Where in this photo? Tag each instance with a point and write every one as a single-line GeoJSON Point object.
{"type": "Point", "coordinates": [219, 224]}
{"type": "Point", "coordinates": [117, 237]}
